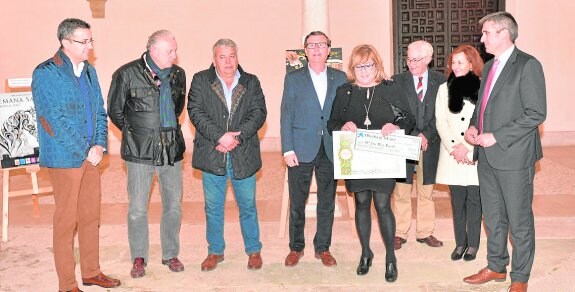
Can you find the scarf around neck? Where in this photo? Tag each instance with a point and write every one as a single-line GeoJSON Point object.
{"type": "Point", "coordinates": [167, 110]}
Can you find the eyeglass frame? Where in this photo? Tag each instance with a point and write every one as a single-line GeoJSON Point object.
{"type": "Point", "coordinates": [318, 45]}
{"type": "Point", "coordinates": [365, 67]}
{"type": "Point", "coordinates": [414, 61]}
{"type": "Point", "coordinates": [84, 42]}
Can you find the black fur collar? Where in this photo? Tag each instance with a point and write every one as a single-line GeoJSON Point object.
{"type": "Point", "coordinates": [460, 89]}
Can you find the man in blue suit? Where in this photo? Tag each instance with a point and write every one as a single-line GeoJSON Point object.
{"type": "Point", "coordinates": [307, 146]}
{"type": "Point", "coordinates": [505, 129]}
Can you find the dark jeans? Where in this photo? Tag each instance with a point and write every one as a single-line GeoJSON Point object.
{"type": "Point", "coordinates": [299, 180]}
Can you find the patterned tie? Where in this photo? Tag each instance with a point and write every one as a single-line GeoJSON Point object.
{"type": "Point", "coordinates": [487, 92]}
{"type": "Point", "coordinates": [419, 89]}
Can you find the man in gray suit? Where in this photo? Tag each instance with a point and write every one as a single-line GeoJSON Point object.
{"type": "Point", "coordinates": [504, 128]}
{"type": "Point", "coordinates": [307, 146]}
{"type": "Point", "coordinates": [420, 85]}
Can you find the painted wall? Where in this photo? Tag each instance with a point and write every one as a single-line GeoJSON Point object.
{"type": "Point", "coordinates": [263, 30]}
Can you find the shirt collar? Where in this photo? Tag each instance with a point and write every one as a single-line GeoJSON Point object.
{"type": "Point", "coordinates": [506, 54]}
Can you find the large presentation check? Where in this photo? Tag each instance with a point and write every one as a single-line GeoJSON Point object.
{"type": "Point", "coordinates": [397, 143]}
{"type": "Point", "coordinates": [353, 163]}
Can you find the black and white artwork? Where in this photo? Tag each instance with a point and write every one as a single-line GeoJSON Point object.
{"type": "Point", "coordinates": [18, 132]}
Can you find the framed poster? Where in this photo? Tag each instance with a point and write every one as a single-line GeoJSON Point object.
{"type": "Point", "coordinates": [296, 59]}
{"type": "Point", "coordinates": [18, 132]}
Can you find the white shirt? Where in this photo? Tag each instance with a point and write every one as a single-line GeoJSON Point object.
{"type": "Point", "coordinates": [78, 69]}
{"type": "Point", "coordinates": [228, 91]}
{"type": "Point", "coordinates": [319, 84]}
{"type": "Point", "coordinates": [423, 81]}
{"type": "Point", "coordinates": [502, 61]}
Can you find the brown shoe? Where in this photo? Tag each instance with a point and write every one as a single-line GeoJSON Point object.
{"type": "Point", "coordinates": [398, 242]}
{"type": "Point", "coordinates": [138, 270]}
{"type": "Point", "coordinates": [431, 241]}
{"type": "Point", "coordinates": [174, 264]}
{"type": "Point", "coordinates": [255, 261]}
{"type": "Point", "coordinates": [211, 262]}
{"type": "Point", "coordinates": [293, 258]}
{"type": "Point", "coordinates": [518, 287]}
{"type": "Point", "coordinates": [485, 275]}
{"type": "Point", "coordinates": [102, 281]}
{"type": "Point", "coordinates": [326, 258]}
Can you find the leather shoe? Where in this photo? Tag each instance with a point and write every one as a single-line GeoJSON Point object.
{"type": "Point", "coordinates": [174, 264]}
{"type": "Point", "coordinates": [102, 281]}
{"type": "Point", "coordinates": [458, 252]}
{"type": "Point", "coordinates": [255, 261]}
{"type": "Point", "coordinates": [293, 258]}
{"type": "Point", "coordinates": [471, 254]}
{"type": "Point", "coordinates": [364, 264]}
{"type": "Point", "coordinates": [391, 272]}
{"type": "Point", "coordinates": [138, 270]}
{"type": "Point", "coordinates": [398, 242]}
{"type": "Point", "coordinates": [431, 241]}
{"type": "Point", "coordinates": [326, 258]}
{"type": "Point", "coordinates": [211, 262]}
{"type": "Point", "coordinates": [518, 287]}
{"type": "Point", "coordinates": [485, 275]}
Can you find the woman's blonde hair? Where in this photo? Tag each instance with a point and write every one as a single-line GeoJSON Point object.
{"type": "Point", "coordinates": [361, 54]}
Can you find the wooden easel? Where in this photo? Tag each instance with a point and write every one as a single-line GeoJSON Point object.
{"type": "Point", "coordinates": [6, 193]}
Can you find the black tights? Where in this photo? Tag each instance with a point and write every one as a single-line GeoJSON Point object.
{"type": "Point", "coordinates": [385, 219]}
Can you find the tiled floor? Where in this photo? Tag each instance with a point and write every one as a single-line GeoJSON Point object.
{"type": "Point", "coordinates": [26, 262]}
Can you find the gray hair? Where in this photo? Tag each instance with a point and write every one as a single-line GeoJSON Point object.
{"type": "Point", "coordinates": [155, 37]}
{"type": "Point", "coordinates": [503, 20]}
{"type": "Point", "coordinates": [224, 43]}
{"type": "Point", "coordinates": [423, 45]}
{"type": "Point", "coordinates": [67, 27]}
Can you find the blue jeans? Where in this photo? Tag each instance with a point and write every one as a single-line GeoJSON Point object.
{"type": "Point", "coordinates": [215, 197]}
{"type": "Point", "coordinates": [140, 178]}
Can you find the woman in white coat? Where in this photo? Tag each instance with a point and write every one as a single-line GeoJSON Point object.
{"type": "Point", "coordinates": [454, 107]}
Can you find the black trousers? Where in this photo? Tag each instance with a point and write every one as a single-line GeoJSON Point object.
{"type": "Point", "coordinates": [299, 181]}
{"type": "Point", "coordinates": [466, 207]}
{"type": "Point", "coordinates": [385, 219]}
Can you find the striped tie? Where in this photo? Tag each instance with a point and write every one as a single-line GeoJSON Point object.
{"type": "Point", "coordinates": [419, 89]}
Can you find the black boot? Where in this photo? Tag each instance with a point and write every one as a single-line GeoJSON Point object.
{"type": "Point", "coordinates": [364, 264]}
{"type": "Point", "coordinates": [391, 272]}
{"type": "Point", "coordinates": [458, 252]}
{"type": "Point", "coordinates": [470, 254]}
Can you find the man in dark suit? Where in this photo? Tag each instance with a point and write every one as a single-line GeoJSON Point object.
{"type": "Point", "coordinates": [504, 128]}
{"type": "Point", "coordinates": [421, 85]}
{"type": "Point", "coordinates": [307, 146]}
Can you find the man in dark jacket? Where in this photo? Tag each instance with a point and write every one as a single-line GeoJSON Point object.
{"type": "Point", "coordinates": [227, 107]}
{"type": "Point", "coordinates": [145, 100]}
{"type": "Point", "coordinates": [421, 85]}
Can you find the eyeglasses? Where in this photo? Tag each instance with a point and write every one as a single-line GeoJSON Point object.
{"type": "Point", "coordinates": [414, 61]}
{"type": "Point", "coordinates": [365, 67]}
{"type": "Point", "coordinates": [84, 42]}
{"type": "Point", "coordinates": [321, 45]}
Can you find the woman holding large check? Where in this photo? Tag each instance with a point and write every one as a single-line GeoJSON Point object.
{"type": "Point", "coordinates": [370, 102]}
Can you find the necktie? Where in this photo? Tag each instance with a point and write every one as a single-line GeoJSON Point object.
{"type": "Point", "coordinates": [487, 92]}
{"type": "Point", "coordinates": [419, 89]}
